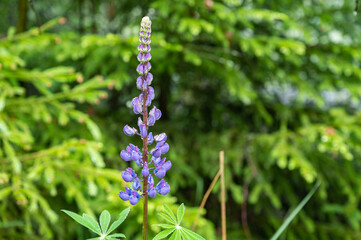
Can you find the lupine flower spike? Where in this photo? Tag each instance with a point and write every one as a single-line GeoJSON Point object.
{"type": "Point", "coordinates": [152, 165]}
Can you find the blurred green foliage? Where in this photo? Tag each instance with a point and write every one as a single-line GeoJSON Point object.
{"type": "Point", "coordinates": [276, 84]}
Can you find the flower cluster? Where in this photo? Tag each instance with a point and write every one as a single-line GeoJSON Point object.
{"type": "Point", "coordinates": [150, 161]}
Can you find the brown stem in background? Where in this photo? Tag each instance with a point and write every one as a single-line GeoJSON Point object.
{"type": "Point", "coordinates": [223, 196]}
{"type": "Point", "coordinates": [145, 159]}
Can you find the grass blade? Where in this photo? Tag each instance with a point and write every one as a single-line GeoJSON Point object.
{"type": "Point", "coordinates": [295, 212]}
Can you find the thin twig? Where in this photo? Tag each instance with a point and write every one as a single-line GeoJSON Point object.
{"type": "Point", "coordinates": [205, 197]}
{"type": "Point", "coordinates": [223, 196]}
{"type": "Point", "coordinates": [36, 15]}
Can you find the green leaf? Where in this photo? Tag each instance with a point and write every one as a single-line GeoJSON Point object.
{"type": "Point", "coordinates": [166, 217]}
{"type": "Point", "coordinates": [170, 213]}
{"type": "Point", "coordinates": [176, 235]}
{"type": "Point", "coordinates": [104, 220]}
{"type": "Point", "coordinates": [117, 235]}
{"type": "Point", "coordinates": [164, 225]}
{"type": "Point", "coordinates": [192, 235]}
{"type": "Point", "coordinates": [180, 213]}
{"type": "Point", "coordinates": [163, 234]}
{"type": "Point", "coordinates": [295, 212]}
{"type": "Point", "coordinates": [79, 219]}
{"type": "Point", "coordinates": [122, 216]}
{"type": "Point", "coordinates": [93, 222]}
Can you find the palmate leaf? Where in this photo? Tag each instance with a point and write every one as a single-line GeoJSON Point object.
{"type": "Point", "coordinates": [102, 228]}
{"type": "Point", "coordinates": [179, 233]}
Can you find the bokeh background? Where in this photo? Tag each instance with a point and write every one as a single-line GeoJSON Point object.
{"type": "Point", "coordinates": [276, 84]}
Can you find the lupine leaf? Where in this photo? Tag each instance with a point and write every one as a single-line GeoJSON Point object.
{"type": "Point", "coordinates": [104, 220]}
{"type": "Point", "coordinates": [180, 213]}
{"type": "Point", "coordinates": [117, 235]}
{"type": "Point", "coordinates": [163, 234]}
{"type": "Point", "coordinates": [164, 225]}
{"type": "Point", "coordinates": [170, 213]}
{"type": "Point", "coordinates": [176, 235]}
{"type": "Point", "coordinates": [79, 219]}
{"type": "Point", "coordinates": [166, 217]}
{"type": "Point", "coordinates": [122, 216]}
{"type": "Point", "coordinates": [93, 222]}
{"type": "Point", "coordinates": [192, 235]}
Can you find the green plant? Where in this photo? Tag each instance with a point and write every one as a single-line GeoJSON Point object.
{"type": "Point", "coordinates": [102, 228]}
{"type": "Point", "coordinates": [173, 227]}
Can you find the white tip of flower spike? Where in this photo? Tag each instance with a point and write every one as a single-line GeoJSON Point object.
{"type": "Point", "coordinates": [146, 21]}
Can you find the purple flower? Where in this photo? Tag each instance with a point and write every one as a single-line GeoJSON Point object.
{"type": "Point", "coordinates": [128, 175]}
{"type": "Point", "coordinates": [148, 79]}
{"type": "Point", "coordinates": [134, 198]}
{"type": "Point", "coordinates": [156, 166]}
{"type": "Point", "coordinates": [126, 156]}
{"type": "Point", "coordinates": [145, 170]}
{"type": "Point", "coordinates": [156, 152]}
{"type": "Point", "coordinates": [129, 130]}
{"type": "Point", "coordinates": [152, 192]}
{"type": "Point", "coordinates": [143, 130]}
{"type": "Point", "coordinates": [150, 138]}
{"type": "Point", "coordinates": [137, 105]}
{"type": "Point", "coordinates": [161, 137]}
{"type": "Point", "coordinates": [156, 113]}
{"type": "Point", "coordinates": [160, 172]}
{"type": "Point", "coordinates": [163, 187]}
{"type": "Point", "coordinates": [125, 195]}
{"type": "Point", "coordinates": [136, 184]}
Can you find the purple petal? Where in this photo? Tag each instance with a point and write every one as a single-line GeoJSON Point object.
{"type": "Point", "coordinates": [143, 130]}
{"type": "Point", "coordinates": [140, 83]}
{"type": "Point", "coordinates": [145, 171]}
{"type": "Point", "coordinates": [136, 184]}
{"type": "Point", "coordinates": [133, 200]}
{"type": "Point", "coordinates": [167, 165]}
{"type": "Point", "coordinates": [152, 192]}
{"type": "Point", "coordinates": [141, 69]}
{"type": "Point", "coordinates": [151, 92]}
{"type": "Point", "coordinates": [125, 155]}
{"type": "Point", "coordinates": [124, 196]}
{"type": "Point", "coordinates": [160, 172]}
{"type": "Point", "coordinates": [150, 180]}
{"type": "Point", "coordinates": [150, 138]}
{"type": "Point", "coordinates": [149, 78]}
{"type": "Point", "coordinates": [164, 148]}
{"type": "Point", "coordinates": [156, 153]}
{"type": "Point", "coordinates": [129, 130]}
{"type": "Point", "coordinates": [151, 120]}
{"type": "Point", "coordinates": [165, 189]}
{"type": "Point", "coordinates": [127, 177]}
{"type": "Point", "coordinates": [160, 137]}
